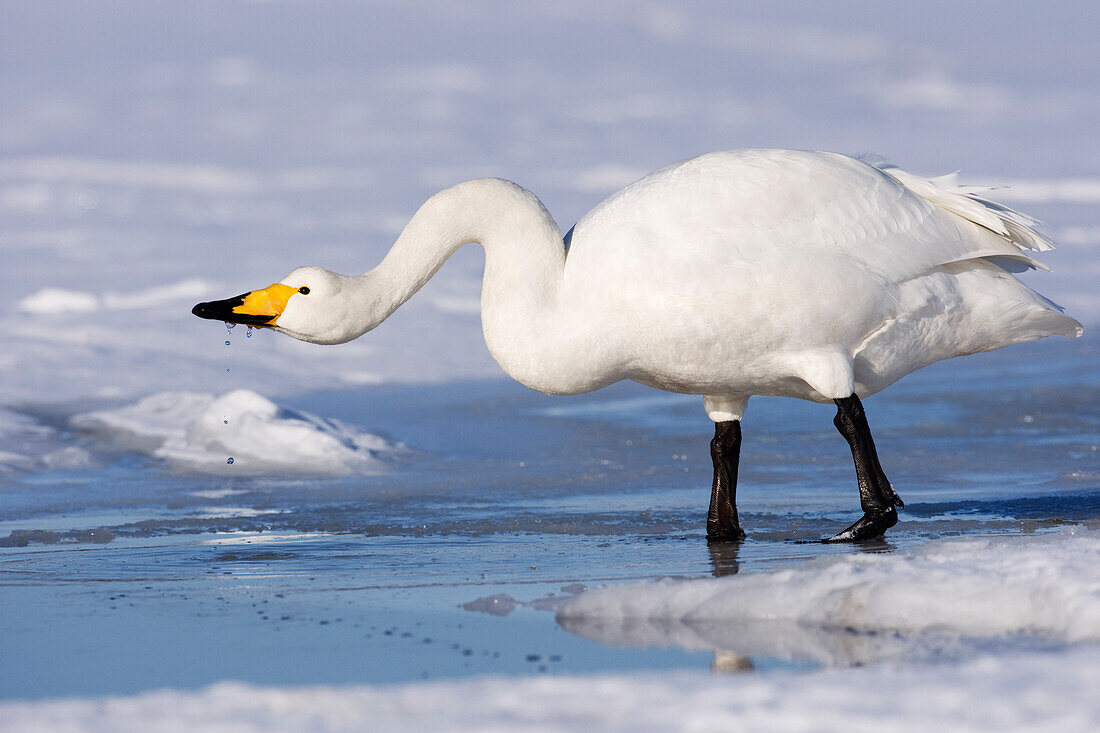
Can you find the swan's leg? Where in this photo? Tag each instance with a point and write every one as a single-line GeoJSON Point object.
{"type": "Point", "coordinates": [876, 497]}
{"type": "Point", "coordinates": [725, 451]}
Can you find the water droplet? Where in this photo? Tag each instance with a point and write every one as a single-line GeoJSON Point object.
{"type": "Point", "coordinates": [227, 370]}
{"type": "Point", "coordinates": [227, 342]}
{"type": "Point", "coordinates": [225, 422]}
{"type": "Point", "coordinates": [229, 460]}
{"type": "Point", "coordinates": [229, 327]}
{"type": "Point", "coordinates": [248, 333]}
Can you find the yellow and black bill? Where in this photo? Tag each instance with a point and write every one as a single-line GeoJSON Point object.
{"type": "Point", "coordinates": [256, 308]}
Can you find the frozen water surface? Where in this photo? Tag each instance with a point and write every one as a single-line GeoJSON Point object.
{"type": "Point", "coordinates": [472, 555]}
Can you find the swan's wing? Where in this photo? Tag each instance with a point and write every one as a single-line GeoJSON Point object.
{"type": "Point", "coordinates": [738, 208]}
{"type": "Point", "coordinates": [947, 193]}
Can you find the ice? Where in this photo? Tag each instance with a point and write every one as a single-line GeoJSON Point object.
{"type": "Point", "coordinates": [199, 432]}
{"type": "Point", "coordinates": [502, 604]}
{"type": "Point", "coordinates": [1026, 693]}
{"type": "Point", "coordinates": [865, 607]}
{"type": "Point", "coordinates": [28, 444]}
{"type": "Point", "coordinates": [498, 604]}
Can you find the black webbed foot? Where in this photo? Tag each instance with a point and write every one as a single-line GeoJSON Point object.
{"type": "Point", "coordinates": [872, 524]}
{"type": "Point", "coordinates": [718, 533]}
{"type": "Point", "coordinates": [897, 499]}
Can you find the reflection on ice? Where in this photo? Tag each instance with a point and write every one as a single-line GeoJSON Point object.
{"type": "Point", "coordinates": [861, 608]}
{"type": "Point", "coordinates": [723, 558]}
{"type": "Point", "coordinates": [785, 641]}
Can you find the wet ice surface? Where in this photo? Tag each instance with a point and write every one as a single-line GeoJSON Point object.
{"type": "Point", "coordinates": [131, 573]}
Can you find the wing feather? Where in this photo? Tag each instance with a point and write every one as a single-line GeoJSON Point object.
{"type": "Point", "coordinates": [738, 208]}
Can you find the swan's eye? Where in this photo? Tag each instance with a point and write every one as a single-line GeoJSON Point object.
{"type": "Point", "coordinates": [303, 290]}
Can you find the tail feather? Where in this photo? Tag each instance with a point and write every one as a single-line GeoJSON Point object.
{"type": "Point", "coordinates": [946, 192]}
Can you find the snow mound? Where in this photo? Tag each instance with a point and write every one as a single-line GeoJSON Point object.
{"type": "Point", "coordinates": [1008, 694]}
{"type": "Point", "coordinates": [1048, 587]}
{"type": "Point", "coordinates": [28, 445]}
{"type": "Point", "coordinates": [202, 432]}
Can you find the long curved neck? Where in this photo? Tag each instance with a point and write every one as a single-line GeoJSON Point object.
{"type": "Point", "coordinates": [524, 268]}
{"type": "Point", "coordinates": [521, 240]}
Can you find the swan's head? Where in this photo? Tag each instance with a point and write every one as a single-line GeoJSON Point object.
{"type": "Point", "coordinates": [310, 304]}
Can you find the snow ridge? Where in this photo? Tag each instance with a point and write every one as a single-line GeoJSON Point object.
{"type": "Point", "coordinates": [201, 432]}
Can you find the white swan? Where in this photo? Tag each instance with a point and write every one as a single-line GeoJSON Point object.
{"type": "Point", "coordinates": [753, 272]}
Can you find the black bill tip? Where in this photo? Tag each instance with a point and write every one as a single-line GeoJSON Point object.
{"type": "Point", "coordinates": [203, 310]}
{"type": "Point", "coordinates": [222, 310]}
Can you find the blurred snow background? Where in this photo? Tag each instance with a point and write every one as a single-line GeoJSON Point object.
{"type": "Point", "coordinates": [156, 154]}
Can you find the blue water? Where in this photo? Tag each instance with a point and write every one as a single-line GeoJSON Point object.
{"type": "Point", "coordinates": [131, 577]}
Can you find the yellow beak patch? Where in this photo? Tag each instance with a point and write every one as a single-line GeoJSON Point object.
{"type": "Point", "coordinates": [269, 302]}
{"type": "Point", "coordinates": [257, 308]}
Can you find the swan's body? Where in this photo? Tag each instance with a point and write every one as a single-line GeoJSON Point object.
{"type": "Point", "coordinates": [773, 272]}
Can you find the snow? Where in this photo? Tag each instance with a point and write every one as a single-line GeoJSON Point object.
{"type": "Point", "coordinates": [1043, 586]}
{"type": "Point", "coordinates": [58, 301]}
{"type": "Point", "coordinates": [28, 444]}
{"type": "Point", "coordinates": [200, 432]}
{"type": "Point", "coordinates": [1037, 692]}
{"type": "Point", "coordinates": [141, 174]}
{"type": "Point", "coordinates": [142, 170]}
{"type": "Point", "coordinates": [1047, 587]}
{"type": "Point", "coordinates": [1066, 190]}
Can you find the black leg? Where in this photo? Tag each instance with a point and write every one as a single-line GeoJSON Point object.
{"type": "Point", "coordinates": [725, 449]}
{"type": "Point", "coordinates": [876, 497]}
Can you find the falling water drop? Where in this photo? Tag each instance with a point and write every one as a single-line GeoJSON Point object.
{"type": "Point", "coordinates": [227, 370]}
{"type": "Point", "coordinates": [229, 327]}
{"type": "Point", "coordinates": [227, 342]}
{"type": "Point", "coordinates": [229, 460]}
{"type": "Point", "coordinates": [225, 422]}
{"type": "Point", "coordinates": [248, 333]}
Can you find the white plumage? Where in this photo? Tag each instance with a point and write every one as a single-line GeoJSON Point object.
{"type": "Point", "coordinates": [773, 272]}
{"type": "Point", "coordinates": [801, 274]}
